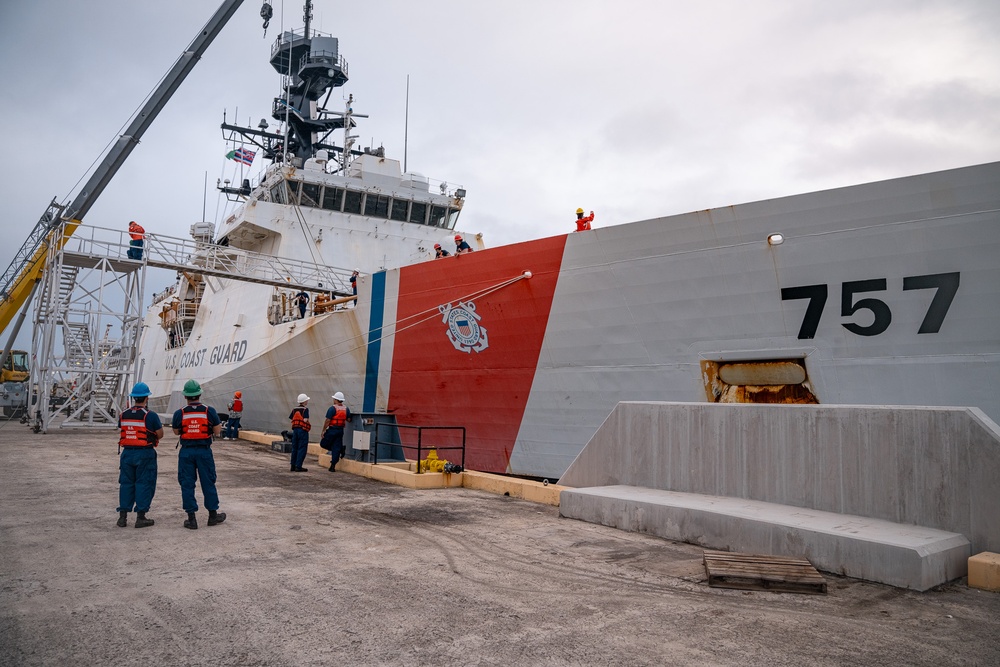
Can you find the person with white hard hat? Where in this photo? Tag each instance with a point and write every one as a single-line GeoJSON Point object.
{"type": "Point", "coordinates": [333, 429]}
{"type": "Point", "coordinates": [300, 433]}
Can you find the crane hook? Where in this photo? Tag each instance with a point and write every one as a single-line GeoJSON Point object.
{"type": "Point", "coordinates": [266, 13]}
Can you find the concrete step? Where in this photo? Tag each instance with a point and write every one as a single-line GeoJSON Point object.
{"type": "Point", "coordinates": [901, 555]}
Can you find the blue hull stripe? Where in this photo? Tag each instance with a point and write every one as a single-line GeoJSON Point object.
{"type": "Point", "coordinates": [374, 341]}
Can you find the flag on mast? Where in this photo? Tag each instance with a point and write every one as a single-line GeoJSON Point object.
{"type": "Point", "coordinates": [242, 155]}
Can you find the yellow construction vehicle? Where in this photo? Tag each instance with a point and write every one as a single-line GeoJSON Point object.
{"type": "Point", "coordinates": [14, 384]}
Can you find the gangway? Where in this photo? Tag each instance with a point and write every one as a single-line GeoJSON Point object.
{"type": "Point", "coordinates": [91, 288]}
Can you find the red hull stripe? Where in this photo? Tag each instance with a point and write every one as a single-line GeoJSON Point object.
{"type": "Point", "coordinates": [440, 378]}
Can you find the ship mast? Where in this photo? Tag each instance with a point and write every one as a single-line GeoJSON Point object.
{"type": "Point", "coordinates": [311, 67]}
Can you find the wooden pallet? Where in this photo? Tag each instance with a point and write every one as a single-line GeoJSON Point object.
{"type": "Point", "coordinates": [755, 572]}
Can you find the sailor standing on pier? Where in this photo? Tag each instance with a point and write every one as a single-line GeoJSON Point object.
{"type": "Point", "coordinates": [140, 431]}
{"type": "Point", "coordinates": [196, 424]}
{"type": "Point", "coordinates": [300, 433]}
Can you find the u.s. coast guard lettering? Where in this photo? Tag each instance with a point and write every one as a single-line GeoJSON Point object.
{"type": "Point", "coordinates": [945, 284]}
{"type": "Point", "coordinates": [220, 354]}
{"type": "Point", "coordinates": [464, 330]}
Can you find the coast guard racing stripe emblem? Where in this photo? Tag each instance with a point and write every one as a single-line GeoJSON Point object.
{"type": "Point", "coordinates": [464, 331]}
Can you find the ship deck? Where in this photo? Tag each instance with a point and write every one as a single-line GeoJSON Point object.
{"type": "Point", "coordinates": [321, 567]}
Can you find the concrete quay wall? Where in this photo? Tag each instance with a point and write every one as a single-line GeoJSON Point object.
{"type": "Point", "coordinates": [937, 467]}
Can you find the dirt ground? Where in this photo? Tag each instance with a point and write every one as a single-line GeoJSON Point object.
{"type": "Point", "coordinates": [328, 568]}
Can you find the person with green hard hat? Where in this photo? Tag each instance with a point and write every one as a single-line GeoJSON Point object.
{"type": "Point", "coordinates": [141, 430]}
{"type": "Point", "coordinates": [197, 424]}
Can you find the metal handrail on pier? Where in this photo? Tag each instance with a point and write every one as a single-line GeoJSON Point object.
{"type": "Point", "coordinates": [420, 446]}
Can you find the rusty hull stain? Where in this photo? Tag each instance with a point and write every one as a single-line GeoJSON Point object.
{"type": "Point", "coordinates": [717, 391]}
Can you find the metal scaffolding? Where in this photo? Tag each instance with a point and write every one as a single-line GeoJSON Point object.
{"type": "Point", "coordinates": [88, 313]}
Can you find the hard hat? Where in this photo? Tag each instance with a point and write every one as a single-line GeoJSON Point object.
{"type": "Point", "coordinates": [338, 397]}
{"type": "Point", "coordinates": [458, 237]}
{"type": "Point", "coordinates": [238, 394]}
{"type": "Point", "coordinates": [302, 398]}
{"type": "Point", "coordinates": [192, 388]}
{"type": "Point", "coordinates": [437, 246]}
{"type": "Point", "coordinates": [140, 390]}
{"type": "Point", "coordinates": [579, 210]}
{"type": "Point", "coordinates": [357, 270]}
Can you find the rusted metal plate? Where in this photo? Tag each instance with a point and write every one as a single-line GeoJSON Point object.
{"type": "Point", "coordinates": [780, 574]}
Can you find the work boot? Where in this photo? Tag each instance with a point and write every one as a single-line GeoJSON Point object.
{"type": "Point", "coordinates": [191, 522]}
{"type": "Point", "coordinates": [122, 519]}
{"type": "Point", "coordinates": [141, 521]}
{"type": "Point", "coordinates": [215, 518]}
{"type": "Point", "coordinates": [293, 468]}
{"type": "Point", "coordinates": [333, 466]}
{"type": "Point", "coordinates": [301, 469]}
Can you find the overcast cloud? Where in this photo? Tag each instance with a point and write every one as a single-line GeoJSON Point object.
{"type": "Point", "coordinates": [635, 109]}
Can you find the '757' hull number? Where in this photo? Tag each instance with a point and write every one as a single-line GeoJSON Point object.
{"type": "Point", "coordinates": [945, 284]}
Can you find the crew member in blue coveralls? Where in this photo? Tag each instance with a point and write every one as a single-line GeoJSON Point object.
{"type": "Point", "coordinates": [196, 424]}
{"type": "Point", "coordinates": [300, 433]}
{"type": "Point", "coordinates": [333, 429]}
{"type": "Point", "coordinates": [140, 431]}
{"type": "Point", "coordinates": [302, 300]}
{"type": "Point", "coordinates": [440, 252]}
{"type": "Point", "coordinates": [461, 246]}
{"type": "Point", "coordinates": [354, 284]}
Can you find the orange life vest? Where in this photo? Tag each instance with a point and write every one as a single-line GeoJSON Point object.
{"type": "Point", "coordinates": [134, 431]}
{"type": "Point", "coordinates": [136, 231]}
{"type": "Point", "coordinates": [339, 417]}
{"type": "Point", "coordinates": [194, 424]}
{"type": "Point", "coordinates": [299, 420]}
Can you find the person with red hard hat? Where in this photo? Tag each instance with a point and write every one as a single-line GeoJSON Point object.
{"type": "Point", "coordinates": [440, 252]}
{"type": "Point", "coordinates": [197, 424]}
{"type": "Point", "coordinates": [582, 223]}
{"type": "Point", "coordinates": [461, 247]}
{"type": "Point", "coordinates": [232, 428]}
{"type": "Point", "coordinates": [141, 430]}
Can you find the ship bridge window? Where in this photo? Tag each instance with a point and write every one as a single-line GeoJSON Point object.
{"type": "Point", "coordinates": [439, 216]}
{"type": "Point", "coordinates": [333, 199]}
{"type": "Point", "coordinates": [418, 213]}
{"type": "Point", "coordinates": [453, 217]}
{"type": "Point", "coordinates": [310, 195]}
{"type": "Point", "coordinates": [399, 211]}
{"type": "Point", "coordinates": [352, 202]}
{"type": "Point", "coordinates": [278, 193]}
{"type": "Point", "coordinates": [377, 206]}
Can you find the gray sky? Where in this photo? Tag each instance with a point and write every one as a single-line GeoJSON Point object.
{"type": "Point", "coordinates": [635, 109]}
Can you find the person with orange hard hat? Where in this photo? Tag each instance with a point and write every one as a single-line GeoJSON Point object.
{"type": "Point", "coordinates": [582, 223]}
{"type": "Point", "coordinates": [461, 247]}
{"type": "Point", "coordinates": [440, 252]}
{"type": "Point", "coordinates": [232, 429]}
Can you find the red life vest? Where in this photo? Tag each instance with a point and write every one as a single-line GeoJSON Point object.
{"type": "Point", "coordinates": [194, 424]}
{"type": "Point", "coordinates": [299, 420]}
{"type": "Point", "coordinates": [134, 431]}
{"type": "Point", "coordinates": [237, 405]}
{"type": "Point", "coordinates": [339, 417]}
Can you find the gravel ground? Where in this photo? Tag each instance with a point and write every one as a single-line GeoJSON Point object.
{"type": "Point", "coordinates": [328, 568]}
